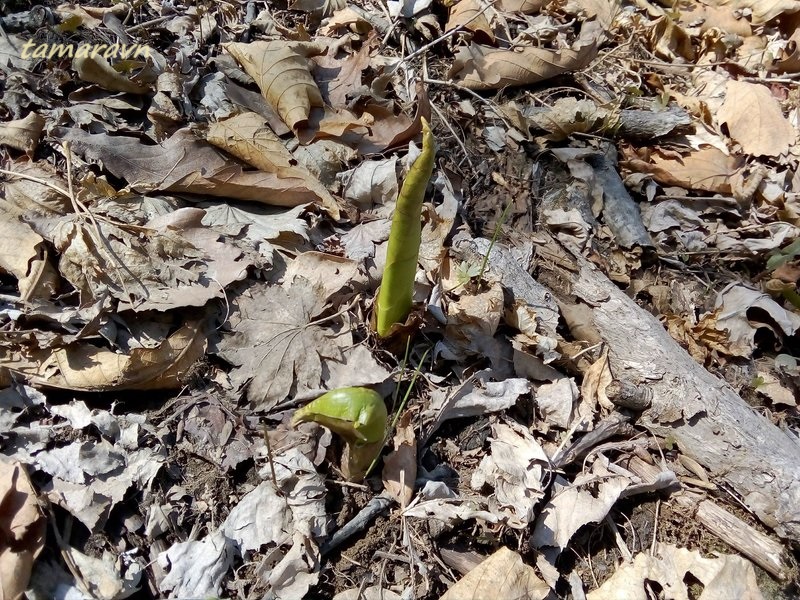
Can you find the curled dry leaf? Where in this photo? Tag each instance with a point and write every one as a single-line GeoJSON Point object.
{"type": "Point", "coordinates": [755, 119]}
{"type": "Point", "coordinates": [282, 72]}
{"type": "Point", "coordinates": [708, 169]}
{"type": "Point", "coordinates": [483, 68]}
{"type": "Point", "coordinates": [248, 138]}
{"type": "Point", "coordinates": [502, 575]}
{"type": "Point", "coordinates": [670, 41]}
{"type": "Point", "coordinates": [84, 366]}
{"type": "Point", "coordinates": [22, 134]}
{"type": "Point", "coordinates": [790, 61]}
{"type": "Point", "coordinates": [185, 164]}
{"type": "Point", "coordinates": [96, 69]}
{"type": "Point", "coordinates": [470, 15]}
{"type": "Point", "coordinates": [744, 310]}
{"type": "Point", "coordinates": [400, 467]}
{"type": "Point", "coordinates": [516, 470]}
{"type": "Point", "coordinates": [23, 254]}
{"type": "Point", "coordinates": [595, 382]}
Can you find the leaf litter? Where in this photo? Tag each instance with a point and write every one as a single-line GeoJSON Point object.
{"type": "Point", "coordinates": [208, 223]}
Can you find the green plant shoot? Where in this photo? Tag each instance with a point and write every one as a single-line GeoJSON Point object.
{"type": "Point", "coordinates": [397, 287]}
{"type": "Point", "coordinates": [359, 416]}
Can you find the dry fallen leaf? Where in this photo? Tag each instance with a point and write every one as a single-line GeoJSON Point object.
{"type": "Point", "coordinates": [707, 169]}
{"type": "Point", "coordinates": [275, 344]}
{"type": "Point", "coordinates": [595, 381]}
{"type": "Point", "coordinates": [762, 10]}
{"type": "Point", "coordinates": [572, 505]}
{"type": "Point", "coordinates": [755, 119]}
{"type": "Point", "coordinates": [471, 15]}
{"type": "Point", "coordinates": [84, 366]}
{"type": "Point", "coordinates": [340, 79]}
{"type": "Point", "coordinates": [724, 576]}
{"type": "Point", "coordinates": [742, 311]}
{"type": "Point", "coordinates": [248, 138]}
{"type": "Point", "coordinates": [23, 254]}
{"type": "Point", "coordinates": [183, 163]}
{"type": "Point", "coordinates": [523, 6]}
{"type": "Point", "coordinates": [22, 134]}
{"type": "Point", "coordinates": [96, 69]}
{"type": "Point", "coordinates": [282, 72]}
{"type": "Point", "coordinates": [400, 467]}
{"type": "Point", "coordinates": [22, 529]}
{"type": "Point", "coordinates": [372, 592]}
{"type": "Point", "coordinates": [515, 468]}
{"type": "Point", "coordinates": [483, 68]}
{"type": "Point", "coordinates": [502, 575]}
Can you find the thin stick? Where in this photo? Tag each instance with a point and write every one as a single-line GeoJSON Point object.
{"type": "Point", "coordinates": [146, 24]}
{"type": "Point", "coordinates": [655, 528]}
{"type": "Point", "coordinates": [490, 105]}
{"type": "Point", "coordinates": [271, 462]}
{"type": "Point", "coordinates": [78, 206]}
{"type": "Point", "coordinates": [455, 135]}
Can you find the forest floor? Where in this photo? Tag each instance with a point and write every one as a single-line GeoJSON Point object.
{"type": "Point", "coordinates": [196, 205]}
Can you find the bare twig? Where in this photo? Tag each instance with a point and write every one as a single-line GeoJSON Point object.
{"type": "Point", "coordinates": [489, 104]}
{"type": "Point", "coordinates": [373, 508]}
{"type": "Point", "coordinates": [447, 34]}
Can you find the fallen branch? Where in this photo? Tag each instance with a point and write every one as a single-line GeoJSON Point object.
{"type": "Point", "coordinates": [707, 419]}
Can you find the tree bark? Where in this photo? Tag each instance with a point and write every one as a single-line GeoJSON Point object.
{"type": "Point", "coordinates": [708, 420]}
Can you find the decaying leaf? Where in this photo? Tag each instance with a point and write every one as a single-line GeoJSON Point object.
{"type": "Point", "coordinates": [282, 72]}
{"type": "Point", "coordinates": [22, 527]}
{"type": "Point", "coordinates": [84, 366]}
{"type": "Point", "coordinates": [572, 506]}
{"type": "Point", "coordinates": [502, 575]}
{"type": "Point", "coordinates": [755, 120]}
{"type": "Point", "coordinates": [22, 134]}
{"type": "Point", "coordinates": [400, 467]}
{"type": "Point", "coordinates": [724, 576]}
{"type": "Point", "coordinates": [516, 467]}
{"type": "Point", "coordinates": [482, 68]}
{"type": "Point", "coordinates": [183, 163]}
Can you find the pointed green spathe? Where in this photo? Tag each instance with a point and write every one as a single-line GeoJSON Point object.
{"type": "Point", "coordinates": [397, 287]}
